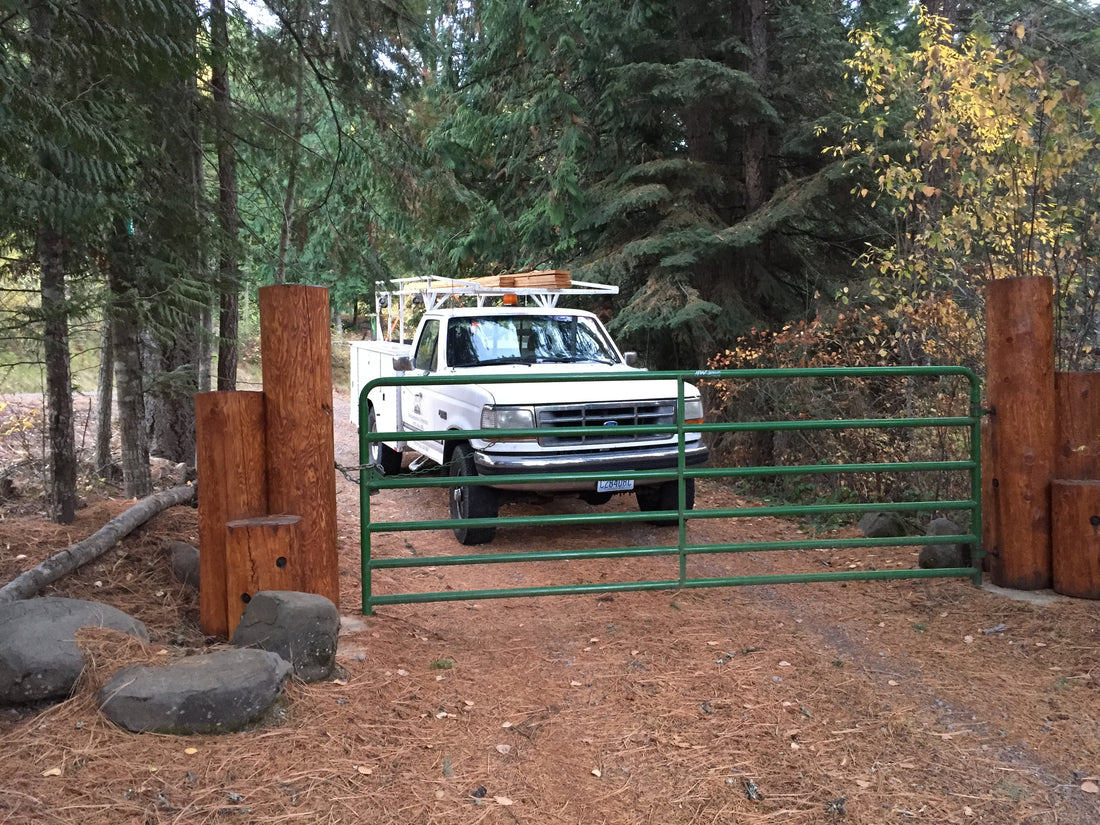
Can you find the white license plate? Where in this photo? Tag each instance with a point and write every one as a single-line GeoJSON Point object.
{"type": "Point", "coordinates": [615, 485]}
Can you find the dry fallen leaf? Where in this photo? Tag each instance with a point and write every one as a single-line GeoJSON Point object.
{"type": "Point", "coordinates": [597, 772]}
{"type": "Point", "coordinates": [503, 800]}
{"type": "Point", "coordinates": [863, 783]}
{"type": "Point", "coordinates": [1090, 787]}
{"type": "Point", "coordinates": [52, 772]}
{"type": "Point", "coordinates": [190, 751]}
{"type": "Point", "coordinates": [504, 748]}
{"type": "Point", "coordinates": [363, 769]}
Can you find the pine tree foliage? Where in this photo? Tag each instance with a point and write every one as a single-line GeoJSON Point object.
{"type": "Point", "coordinates": [610, 139]}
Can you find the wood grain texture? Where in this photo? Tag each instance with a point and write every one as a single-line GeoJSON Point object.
{"type": "Point", "coordinates": [1077, 425]}
{"type": "Point", "coordinates": [1020, 394]}
{"type": "Point", "coordinates": [263, 553]}
{"type": "Point", "coordinates": [230, 453]}
{"type": "Point", "coordinates": [1075, 506]}
{"type": "Point", "coordinates": [296, 357]}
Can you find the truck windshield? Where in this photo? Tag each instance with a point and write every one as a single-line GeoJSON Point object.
{"type": "Point", "coordinates": [527, 339]}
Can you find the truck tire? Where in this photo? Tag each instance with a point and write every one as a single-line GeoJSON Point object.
{"type": "Point", "coordinates": [665, 496]}
{"type": "Point", "coordinates": [471, 500]}
{"type": "Point", "coordinates": [385, 458]}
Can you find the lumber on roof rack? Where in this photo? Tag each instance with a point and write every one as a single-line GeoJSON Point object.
{"type": "Point", "coordinates": [548, 278]}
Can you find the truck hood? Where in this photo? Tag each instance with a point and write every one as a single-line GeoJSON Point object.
{"type": "Point", "coordinates": [533, 393]}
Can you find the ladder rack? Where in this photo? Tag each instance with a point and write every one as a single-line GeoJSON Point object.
{"type": "Point", "coordinates": [433, 291]}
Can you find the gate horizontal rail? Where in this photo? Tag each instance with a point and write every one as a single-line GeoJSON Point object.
{"type": "Point", "coordinates": [371, 480]}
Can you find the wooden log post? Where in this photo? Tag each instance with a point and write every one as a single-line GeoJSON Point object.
{"type": "Point", "coordinates": [1020, 396]}
{"type": "Point", "coordinates": [264, 553]}
{"type": "Point", "coordinates": [232, 480]}
{"type": "Point", "coordinates": [296, 358]}
{"type": "Point", "coordinates": [1077, 425]}
{"type": "Point", "coordinates": [1075, 505]}
{"type": "Point", "coordinates": [1075, 490]}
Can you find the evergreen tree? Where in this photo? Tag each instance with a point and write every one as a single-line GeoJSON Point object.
{"type": "Point", "coordinates": [664, 147]}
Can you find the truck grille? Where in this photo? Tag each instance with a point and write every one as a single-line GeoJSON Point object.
{"type": "Point", "coordinates": [609, 416]}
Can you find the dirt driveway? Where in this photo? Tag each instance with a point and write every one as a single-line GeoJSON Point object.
{"type": "Point", "coordinates": [924, 701]}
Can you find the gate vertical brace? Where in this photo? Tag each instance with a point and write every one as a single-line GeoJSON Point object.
{"type": "Point", "coordinates": [366, 480]}
{"type": "Point", "coordinates": [978, 549]}
{"type": "Point", "coordinates": [681, 482]}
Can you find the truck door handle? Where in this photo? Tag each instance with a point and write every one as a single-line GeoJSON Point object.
{"type": "Point", "coordinates": [443, 414]}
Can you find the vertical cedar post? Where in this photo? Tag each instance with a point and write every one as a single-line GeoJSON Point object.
{"type": "Point", "coordinates": [1075, 490]}
{"type": "Point", "coordinates": [1077, 425]}
{"type": "Point", "coordinates": [296, 358]}
{"type": "Point", "coordinates": [232, 481]}
{"type": "Point", "coordinates": [1076, 513]}
{"type": "Point", "coordinates": [1020, 395]}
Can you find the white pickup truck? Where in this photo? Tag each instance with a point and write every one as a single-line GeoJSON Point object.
{"type": "Point", "coordinates": [538, 340]}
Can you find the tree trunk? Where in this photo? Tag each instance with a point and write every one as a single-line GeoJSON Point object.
{"type": "Point", "coordinates": [228, 261]}
{"type": "Point", "coordinates": [125, 307]}
{"type": "Point", "coordinates": [104, 464]}
{"type": "Point", "coordinates": [176, 235]}
{"type": "Point", "coordinates": [61, 496]}
{"type": "Point", "coordinates": [71, 558]}
{"type": "Point", "coordinates": [292, 174]}
{"type": "Point", "coordinates": [50, 248]}
{"type": "Point", "coordinates": [751, 24]}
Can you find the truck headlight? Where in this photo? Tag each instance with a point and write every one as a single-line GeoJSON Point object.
{"type": "Point", "coordinates": [508, 418]}
{"type": "Point", "coordinates": [693, 411]}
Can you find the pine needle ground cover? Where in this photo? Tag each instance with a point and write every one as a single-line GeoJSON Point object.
{"type": "Point", "coordinates": [928, 701]}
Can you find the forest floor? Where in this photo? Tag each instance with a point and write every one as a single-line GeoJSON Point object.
{"type": "Point", "coordinates": [863, 702]}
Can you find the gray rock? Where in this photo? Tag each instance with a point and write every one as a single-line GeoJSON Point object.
{"type": "Point", "coordinates": [939, 556]}
{"type": "Point", "coordinates": [300, 627]}
{"type": "Point", "coordinates": [881, 525]}
{"type": "Point", "coordinates": [212, 693]}
{"type": "Point", "coordinates": [39, 656]}
{"type": "Point", "coordinates": [185, 562]}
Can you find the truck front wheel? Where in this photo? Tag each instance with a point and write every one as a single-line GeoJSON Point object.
{"type": "Point", "coordinates": [387, 459]}
{"type": "Point", "coordinates": [471, 500]}
{"type": "Point", "coordinates": [665, 496]}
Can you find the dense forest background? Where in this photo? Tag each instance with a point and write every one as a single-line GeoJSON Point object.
{"type": "Point", "coordinates": [787, 182]}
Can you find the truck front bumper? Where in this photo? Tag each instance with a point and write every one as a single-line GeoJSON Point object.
{"type": "Point", "coordinates": [616, 461]}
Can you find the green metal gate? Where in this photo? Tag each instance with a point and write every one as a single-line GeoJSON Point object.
{"type": "Point", "coordinates": [968, 464]}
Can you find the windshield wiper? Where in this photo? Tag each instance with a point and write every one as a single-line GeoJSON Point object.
{"type": "Point", "coordinates": [507, 359]}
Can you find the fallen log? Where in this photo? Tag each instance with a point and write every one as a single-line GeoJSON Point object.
{"type": "Point", "coordinates": [29, 583]}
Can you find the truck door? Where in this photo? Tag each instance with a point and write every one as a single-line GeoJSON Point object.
{"type": "Point", "coordinates": [419, 404]}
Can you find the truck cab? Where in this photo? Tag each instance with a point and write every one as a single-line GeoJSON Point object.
{"type": "Point", "coordinates": [540, 343]}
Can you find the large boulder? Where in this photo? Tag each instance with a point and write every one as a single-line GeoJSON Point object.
{"type": "Point", "coordinates": [39, 656]}
{"type": "Point", "coordinates": [881, 525]}
{"type": "Point", "coordinates": [210, 693]}
{"type": "Point", "coordinates": [300, 627]}
{"type": "Point", "coordinates": [940, 556]}
{"type": "Point", "coordinates": [185, 562]}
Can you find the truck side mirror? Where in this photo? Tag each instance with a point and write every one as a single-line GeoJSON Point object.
{"type": "Point", "coordinates": [632, 359]}
{"type": "Point", "coordinates": [402, 363]}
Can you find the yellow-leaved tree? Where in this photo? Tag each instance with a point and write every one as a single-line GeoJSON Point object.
{"type": "Point", "coordinates": [986, 163]}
